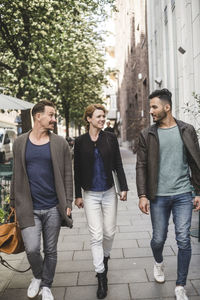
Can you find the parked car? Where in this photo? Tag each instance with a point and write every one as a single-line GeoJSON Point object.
{"type": "Point", "coordinates": [7, 138]}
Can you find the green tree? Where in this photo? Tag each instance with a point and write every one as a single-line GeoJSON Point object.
{"type": "Point", "coordinates": [193, 108]}
{"type": "Point", "coordinates": [53, 49]}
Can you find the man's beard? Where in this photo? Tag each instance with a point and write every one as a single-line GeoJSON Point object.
{"type": "Point", "coordinates": [160, 117]}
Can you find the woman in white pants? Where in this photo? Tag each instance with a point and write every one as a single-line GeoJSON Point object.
{"type": "Point", "coordinates": [96, 155]}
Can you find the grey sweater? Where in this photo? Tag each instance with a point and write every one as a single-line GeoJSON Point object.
{"type": "Point", "coordinates": [20, 195]}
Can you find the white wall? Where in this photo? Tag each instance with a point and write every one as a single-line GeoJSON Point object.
{"type": "Point", "coordinates": [180, 73]}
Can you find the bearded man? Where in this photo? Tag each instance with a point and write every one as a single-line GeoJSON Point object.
{"type": "Point", "coordinates": [167, 169]}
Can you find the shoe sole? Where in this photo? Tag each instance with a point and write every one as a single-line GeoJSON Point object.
{"type": "Point", "coordinates": [159, 281]}
{"type": "Point", "coordinates": [34, 296]}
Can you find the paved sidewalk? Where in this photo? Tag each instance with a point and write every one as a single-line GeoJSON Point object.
{"type": "Point", "coordinates": [130, 268]}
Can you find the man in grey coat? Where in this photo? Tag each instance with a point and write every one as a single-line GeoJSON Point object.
{"type": "Point", "coordinates": [42, 194]}
{"type": "Point", "coordinates": [168, 165]}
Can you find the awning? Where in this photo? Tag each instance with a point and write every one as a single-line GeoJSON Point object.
{"type": "Point", "coordinates": [9, 102]}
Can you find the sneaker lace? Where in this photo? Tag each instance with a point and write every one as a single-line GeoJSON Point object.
{"type": "Point", "coordinates": [181, 292]}
{"type": "Point", "coordinates": [46, 293]}
{"type": "Point", "coordinates": [33, 283]}
{"type": "Point", "coordinates": [159, 270]}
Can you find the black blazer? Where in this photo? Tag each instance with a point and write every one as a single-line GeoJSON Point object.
{"type": "Point", "coordinates": [108, 146]}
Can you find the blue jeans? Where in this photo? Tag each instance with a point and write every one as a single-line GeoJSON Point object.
{"type": "Point", "coordinates": [47, 223]}
{"type": "Point", "coordinates": [181, 207]}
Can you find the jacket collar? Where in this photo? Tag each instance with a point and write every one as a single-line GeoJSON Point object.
{"type": "Point", "coordinates": [181, 125]}
{"type": "Point", "coordinates": [101, 133]}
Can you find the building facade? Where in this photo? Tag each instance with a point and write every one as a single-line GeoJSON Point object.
{"type": "Point", "coordinates": [131, 55]}
{"type": "Point", "coordinates": [174, 52]}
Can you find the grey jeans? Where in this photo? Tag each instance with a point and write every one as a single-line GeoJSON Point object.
{"type": "Point", "coordinates": [47, 223]}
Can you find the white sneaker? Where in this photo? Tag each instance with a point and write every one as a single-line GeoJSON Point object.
{"type": "Point", "coordinates": [33, 288]}
{"type": "Point", "coordinates": [158, 272]}
{"type": "Point", "coordinates": [180, 293]}
{"type": "Point", "coordinates": [46, 294]}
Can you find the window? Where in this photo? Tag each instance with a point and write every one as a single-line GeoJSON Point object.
{"type": "Point", "coordinates": [165, 15]}
{"type": "Point", "coordinates": [172, 4]}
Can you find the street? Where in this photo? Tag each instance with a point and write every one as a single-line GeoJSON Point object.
{"type": "Point", "coordinates": [130, 274]}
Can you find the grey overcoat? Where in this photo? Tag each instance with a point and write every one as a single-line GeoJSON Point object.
{"type": "Point", "coordinates": [20, 194]}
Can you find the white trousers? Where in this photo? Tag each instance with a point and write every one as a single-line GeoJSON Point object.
{"type": "Point", "coordinates": [101, 214]}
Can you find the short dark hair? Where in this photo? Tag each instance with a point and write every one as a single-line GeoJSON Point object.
{"type": "Point", "coordinates": [40, 106]}
{"type": "Point", "coordinates": [163, 94]}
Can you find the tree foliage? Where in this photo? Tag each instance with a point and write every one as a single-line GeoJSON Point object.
{"type": "Point", "coordinates": [193, 108]}
{"type": "Point", "coordinates": [53, 49]}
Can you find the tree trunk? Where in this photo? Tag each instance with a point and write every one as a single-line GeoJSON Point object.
{"type": "Point", "coordinates": [79, 129]}
{"type": "Point", "coordinates": [26, 120]}
{"type": "Point", "coordinates": [25, 114]}
{"type": "Point", "coordinates": [66, 112]}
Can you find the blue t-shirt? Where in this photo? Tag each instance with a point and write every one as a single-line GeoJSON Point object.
{"type": "Point", "coordinates": [99, 182]}
{"type": "Point", "coordinates": [41, 176]}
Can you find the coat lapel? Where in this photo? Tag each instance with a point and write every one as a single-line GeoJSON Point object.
{"type": "Point", "coordinates": [23, 150]}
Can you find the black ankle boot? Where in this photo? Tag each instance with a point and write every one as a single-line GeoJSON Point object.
{"type": "Point", "coordinates": [101, 291]}
{"type": "Point", "coordinates": [105, 261]}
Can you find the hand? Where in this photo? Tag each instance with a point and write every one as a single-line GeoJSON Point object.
{"type": "Point", "coordinates": [197, 203]}
{"type": "Point", "coordinates": [68, 211]}
{"type": "Point", "coordinates": [123, 196]}
{"type": "Point", "coordinates": [79, 202]}
{"type": "Point", "coordinates": [144, 205]}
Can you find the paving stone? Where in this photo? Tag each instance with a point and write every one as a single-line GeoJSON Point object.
{"type": "Point", "coordinates": [74, 266]}
{"type": "Point", "coordinates": [115, 292]}
{"type": "Point", "coordinates": [195, 249]}
{"type": "Point", "coordinates": [196, 284]}
{"type": "Point", "coordinates": [70, 246]}
{"type": "Point", "coordinates": [125, 244]}
{"type": "Point", "coordinates": [21, 294]}
{"type": "Point", "coordinates": [17, 294]}
{"type": "Point", "coordinates": [81, 293]}
{"type": "Point", "coordinates": [170, 273]}
{"type": "Point", "coordinates": [153, 290]}
{"type": "Point", "coordinates": [58, 293]}
{"type": "Point", "coordinates": [131, 235]}
{"type": "Point", "coordinates": [82, 255]}
{"type": "Point", "coordinates": [123, 221]}
{"type": "Point", "coordinates": [85, 255]}
{"type": "Point", "coordinates": [127, 276]}
{"type": "Point", "coordinates": [65, 255]}
{"type": "Point", "coordinates": [130, 263]}
{"type": "Point", "coordinates": [68, 231]}
{"type": "Point", "coordinates": [75, 238]}
{"type": "Point", "coordinates": [117, 244]}
{"type": "Point", "coordinates": [131, 228]}
{"type": "Point", "coordinates": [3, 283]}
{"type": "Point", "coordinates": [146, 243]}
{"type": "Point", "coordinates": [114, 277]}
{"type": "Point", "coordinates": [127, 213]}
{"type": "Point", "coordinates": [65, 279]}
{"type": "Point", "coordinates": [20, 281]}
{"type": "Point", "coordinates": [87, 278]}
{"type": "Point", "coordinates": [143, 252]}
{"type": "Point", "coordinates": [83, 231]}
{"type": "Point", "coordinates": [79, 225]}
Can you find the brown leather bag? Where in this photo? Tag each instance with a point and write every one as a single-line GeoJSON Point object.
{"type": "Point", "coordinates": [11, 241]}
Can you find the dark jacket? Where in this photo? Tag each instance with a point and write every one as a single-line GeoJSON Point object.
{"type": "Point", "coordinates": [20, 194]}
{"type": "Point", "coordinates": [108, 146]}
{"type": "Point", "coordinates": [148, 158]}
